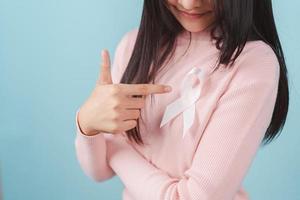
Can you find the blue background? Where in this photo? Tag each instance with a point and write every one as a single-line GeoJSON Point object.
{"type": "Point", "coordinates": [49, 61]}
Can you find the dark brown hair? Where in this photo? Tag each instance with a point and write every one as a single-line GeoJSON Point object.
{"type": "Point", "coordinates": [237, 22]}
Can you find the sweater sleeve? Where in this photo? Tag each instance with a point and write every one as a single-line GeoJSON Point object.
{"type": "Point", "coordinates": [91, 150]}
{"type": "Point", "coordinates": [227, 148]}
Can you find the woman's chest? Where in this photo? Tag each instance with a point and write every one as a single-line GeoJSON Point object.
{"type": "Point", "coordinates": [172, 124]}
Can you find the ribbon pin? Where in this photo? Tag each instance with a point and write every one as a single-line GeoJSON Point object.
{"type": "Point", "coordinates": [190, 91]}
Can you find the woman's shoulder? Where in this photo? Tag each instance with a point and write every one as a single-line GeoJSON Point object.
{"type": "Point", "coordinates": [258, 62]}
{"type": "Point", "coordinates": [132, 34]}
{"type": "Point", "coordinates": [123, 53]}
{"type": "Point", "coordinates": [258, 49]}
{"type": "Point", "coordinates": [129, 38]}
{"type": "Point", "coordinates": [125, 45]}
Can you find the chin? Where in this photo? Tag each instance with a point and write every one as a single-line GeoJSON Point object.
{"type": "Point", "coordinates": [193, 28]}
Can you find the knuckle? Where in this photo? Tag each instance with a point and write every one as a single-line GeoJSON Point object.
{"type": "Point", "coordinates": [116, 103]}
{"type": "Point", "coordinates": [115, 89]}
{"type": "Point", "coordinates": [115, 115]}
{"type": "Point", "coordinates": [144, 88]}
{"type": "Point", "coordinates": [137, 113]}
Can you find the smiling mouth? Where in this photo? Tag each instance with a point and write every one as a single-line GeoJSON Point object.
{"type": "Point", "coordinates": [192, 15]}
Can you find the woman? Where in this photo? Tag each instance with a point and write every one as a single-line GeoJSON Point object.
{"type": "Point", "coordinates": [229, 93]}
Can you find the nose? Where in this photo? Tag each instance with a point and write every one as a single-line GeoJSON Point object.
{"type": "Point", "coordinates": [190, 4]}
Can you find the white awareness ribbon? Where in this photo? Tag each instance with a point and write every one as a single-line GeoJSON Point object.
{"type": "Point", "coordinates": [190, 92]}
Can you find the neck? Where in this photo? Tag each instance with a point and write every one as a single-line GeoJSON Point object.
{"type": "Point", "coordinates": [203, 35]}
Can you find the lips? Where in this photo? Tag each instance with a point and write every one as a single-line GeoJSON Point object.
{"type": "Point", "coordinates": [192, 15]}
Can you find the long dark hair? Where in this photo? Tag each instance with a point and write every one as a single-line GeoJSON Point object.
{"type": "Point", "coordinates": [236, 21]}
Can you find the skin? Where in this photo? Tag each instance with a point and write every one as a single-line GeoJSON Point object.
{"type": "Point", "coordinates": [110, 107]}
{"type": "Point", "coordinates": [192, 24]}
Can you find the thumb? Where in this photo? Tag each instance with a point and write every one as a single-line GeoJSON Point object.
{"type": "Point", "coordinates": [105, 73]}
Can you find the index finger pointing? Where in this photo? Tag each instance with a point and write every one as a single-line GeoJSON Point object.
{"type": "Point", "coordinates": [145, 89]}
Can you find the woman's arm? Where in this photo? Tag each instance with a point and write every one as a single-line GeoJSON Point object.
{"type": "Point", "coordinates": [227, 147]}
{"type": "Point", "coordinates": [91, 154]}
{"type": "Point", "coordinates": [91, 150]}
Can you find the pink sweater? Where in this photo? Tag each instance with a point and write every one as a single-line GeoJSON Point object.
{"type": "Point", "coordinates": [223, 117]}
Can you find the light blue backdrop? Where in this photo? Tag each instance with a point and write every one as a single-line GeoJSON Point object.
{"type": "Point", "coordinates": [49, 58]}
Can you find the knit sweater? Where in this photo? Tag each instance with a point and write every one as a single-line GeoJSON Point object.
{"type": "Point", "coordinates": [200, 138]}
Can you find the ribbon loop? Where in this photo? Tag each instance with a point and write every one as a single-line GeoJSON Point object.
{"type": "Point", "coordinates": [190, 92]}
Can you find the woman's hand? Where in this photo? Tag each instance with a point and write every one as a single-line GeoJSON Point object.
{"type": "Point", "coordinates": [111, 107]}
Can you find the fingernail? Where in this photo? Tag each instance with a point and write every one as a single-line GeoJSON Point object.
{"type": "Point", "coordinates": [168, 88]}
